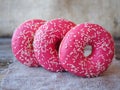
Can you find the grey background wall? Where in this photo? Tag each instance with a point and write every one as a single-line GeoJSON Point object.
{"type": "Point", "coordinates": [103, 12]}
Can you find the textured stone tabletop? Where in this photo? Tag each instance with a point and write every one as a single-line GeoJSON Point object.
{"type": "Point", "coordinates": [20, 77]}
{"type": "Point", "coordinates": [6, 56]}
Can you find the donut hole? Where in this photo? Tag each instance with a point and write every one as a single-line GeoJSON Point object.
{"type": "Point", "coordinates": [87, 50]}
{"type": "Point", "coordinates": [57, 45]}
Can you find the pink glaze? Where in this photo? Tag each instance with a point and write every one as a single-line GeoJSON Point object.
{"type": "Point", "coordinates": [47, 40]}
{"type": "Point", "coordinates": [71, 51]}
{"type": "Point", "coordinates": [22, 42]}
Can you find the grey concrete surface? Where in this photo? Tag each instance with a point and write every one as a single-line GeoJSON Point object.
{"type": "Point", "coordinates": [6, 56]}
{"type": "Point", "coordinates": [117, 49]}
{"type": "Point", "coordinates": [20, 77]}
{"type": "Point", "coordinates": [33, 78]}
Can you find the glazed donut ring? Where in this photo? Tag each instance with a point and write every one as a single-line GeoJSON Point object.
{"type": "Point", "coordinates": [22, 40]}
{"type": "Point", "coordinates": [47, 40]}
{"type": "Point", "coordinates": [71, 51]}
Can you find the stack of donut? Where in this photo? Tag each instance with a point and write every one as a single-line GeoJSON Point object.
{"type": "Point", "coordinates": [58, 45]}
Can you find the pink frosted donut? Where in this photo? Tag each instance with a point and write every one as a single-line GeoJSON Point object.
{"type": "Point", "coordinates": [71, 51]}
{"type": "Point", "coordinates": [47, 40]}
{"type": "Point", "coordinates": [22, 41]}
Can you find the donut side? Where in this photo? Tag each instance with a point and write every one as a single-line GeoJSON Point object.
{"type": "Point", "coordinates": [22, 42]}
{"type": "Point", "coordinates": [71, 51]}
{"type": "Point", "coordinates": [47, 40]}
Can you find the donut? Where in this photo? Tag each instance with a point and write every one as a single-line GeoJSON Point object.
{"type": "Point", "coordinates": [47, 40]}
{"type": "Point", "coordinates": [22, 42]}
{"type": "Point", "coordinates": [71, 50]}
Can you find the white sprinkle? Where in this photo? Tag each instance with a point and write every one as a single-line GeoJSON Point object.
{"type": "Point", "coordinates": [74, 36]}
